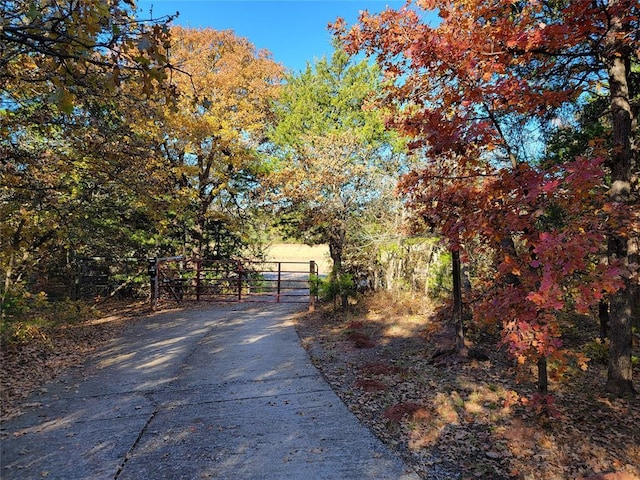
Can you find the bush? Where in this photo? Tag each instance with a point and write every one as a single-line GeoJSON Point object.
{"type": "Point", "coordinates": [16, 305]}
{"type": "Point", "coordinates": [440, 282]}
{"type": "Point", "coordinates": [332, 288]}
{"type": "Point", "coordinates": [27, 317]}
{"type": "Point", "coordinates": [597, 350]}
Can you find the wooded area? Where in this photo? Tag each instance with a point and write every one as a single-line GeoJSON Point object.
{"type": "Point", "coordinates": [493, 155]}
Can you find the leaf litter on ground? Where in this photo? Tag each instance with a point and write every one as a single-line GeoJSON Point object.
{"type": "Point", "coordinates": [466, 418]}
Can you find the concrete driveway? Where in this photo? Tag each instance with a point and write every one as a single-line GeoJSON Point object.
{"type": "Point", "coordinates": [223, 393]}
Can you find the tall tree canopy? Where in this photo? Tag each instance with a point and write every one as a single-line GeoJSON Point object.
{"type": "Point", "coordinates": [334, 153]}
{"type": "Point", "coordinates": [213, 135]}
{"type": "Point", "coordinates": [75, 165]}
{"type": "Point", "coordinates": [56, 47]}
{"type": "Point", "coordinates": [465, 90]}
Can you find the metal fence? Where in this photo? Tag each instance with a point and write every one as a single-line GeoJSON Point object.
{"type": "Point", "coordinates": [102, 277]}
{"type": "Point", "coordinates": [180, 278]}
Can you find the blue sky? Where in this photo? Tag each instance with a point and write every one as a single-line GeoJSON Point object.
{"type": "Point", "coordinates": [294, 31]}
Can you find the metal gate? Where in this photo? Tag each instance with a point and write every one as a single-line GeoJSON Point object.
{"type": "Point", "coordinates": [179, 278]}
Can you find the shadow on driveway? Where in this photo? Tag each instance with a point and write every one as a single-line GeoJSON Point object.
{"type": "Point", "coordinates": [220, 393]}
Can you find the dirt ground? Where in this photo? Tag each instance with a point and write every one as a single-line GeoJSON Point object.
{"type": "Point", "coordinates": [468, 419]}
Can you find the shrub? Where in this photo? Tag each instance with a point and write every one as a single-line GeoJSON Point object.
{"type": "Point", "coordinates": [28, 317]}
{"type": "Point", "coordinates": [332, 288]}
{"type": "Point", "coordinates": [597, 350]}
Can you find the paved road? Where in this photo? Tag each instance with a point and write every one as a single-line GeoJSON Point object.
{"type": "Point", "coordinates": [224, 393]}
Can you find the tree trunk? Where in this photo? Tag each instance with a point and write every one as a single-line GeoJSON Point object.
{"type": "Point", "coordinates": [8, 283]}
{"type": "Point", "coordinates": [543, 380]}
{"type": "Point", "coordinates": [336, 248]}
{"type": "Point", "coordinates": [335, 252]}
{"type": "Point", "coordinates": [619, 376]}
{"type": "Point", "coordinates": [6, 287]}
{"type": "Point", "coordinates": [620, 372]}
{"type": "Point", "coordinates": [603, 316]}
{"type": "Point", "coordinates": [457, 299]}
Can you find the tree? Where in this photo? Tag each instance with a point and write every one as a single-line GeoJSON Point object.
{"type": "Point", "coordinates": [70, 72]}
{"type": "Point", "coordinates": [58, 46]}
{"type": "Point", "coordinates": [618, 45]}
{"type": "Point", "coordinates": [332, 150]}
{"type": "Point", "coordinates": [213, 134]}
{"type": "Point", "coordinates": [458, 89]}
{"type": "Point", "coordinates": [590, 129]}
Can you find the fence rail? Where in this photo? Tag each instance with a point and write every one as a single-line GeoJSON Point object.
{"type": "Point", "coordinates": [180, 278]}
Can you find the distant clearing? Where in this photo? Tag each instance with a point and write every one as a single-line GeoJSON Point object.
{"type": "Point", "coordinates": [296, 252]}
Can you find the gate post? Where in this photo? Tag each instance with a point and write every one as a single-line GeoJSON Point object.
{"type": "Point", "coordinates": [279, 282]}
{"type": "Point", "coordinates": [198, 283]}
{"type": "Point", "coordinates": [239, 281]}
{"type": "Point", "coordinates": [152, 270]}
{"type": "Point", "coordinates": [312, 293]}
{"type": "Point", "coordinates": [77, 280]}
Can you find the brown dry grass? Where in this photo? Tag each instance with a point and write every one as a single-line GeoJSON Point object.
{"type": "Point", "coordinates": [297, 252]}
